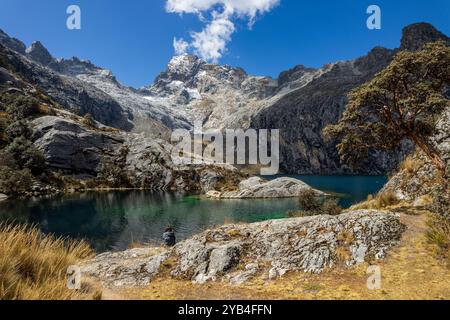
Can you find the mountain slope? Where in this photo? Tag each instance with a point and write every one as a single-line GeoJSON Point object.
{"type": "Point", "coordinates": [302, 114]}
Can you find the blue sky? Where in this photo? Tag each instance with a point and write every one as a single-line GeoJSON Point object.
{"type": "Point", "coordinates": [135, 38]}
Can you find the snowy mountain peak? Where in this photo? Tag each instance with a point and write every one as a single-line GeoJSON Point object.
{"type": "Point", "coordinates": [184, 64]}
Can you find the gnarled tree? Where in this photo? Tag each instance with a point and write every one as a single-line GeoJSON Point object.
{"type": "Point", "coordinates": [401, 102]}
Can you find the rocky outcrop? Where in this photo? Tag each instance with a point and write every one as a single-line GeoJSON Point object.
{"type": "Point", "coordinates": [77, 149]}
{"type": "Point", "coordinates": [12, 43]}
{"type": "Point", "coordinates": [135, 267]}
{"type": "Point", "coordinates": [72, 94]}
{"type": "Point", "coordinates": [415, 36]}
{"type": "Point", "coordinates": [40, 54]}
{"type": "Point", "coordinates": [258, 188]}
{"type": "Point", "coordinates": [72, 148]}
{"type": "Point", "coordinates": [236, 253]}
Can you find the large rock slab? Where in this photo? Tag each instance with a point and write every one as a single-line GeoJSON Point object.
{"type": "Point", "coordinates": [134, 267]}
{"type": "Point", "coordinates": [78, 149]}
{"type": "Point", "coordinates": [236, 253]}
{"type": "Point", "coordinates": [70, 147]}
{"type": "Point", "coordinates": [258, 188]}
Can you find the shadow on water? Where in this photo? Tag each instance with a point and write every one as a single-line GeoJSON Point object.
{"type": "Point", "coordinates": [114, 220]}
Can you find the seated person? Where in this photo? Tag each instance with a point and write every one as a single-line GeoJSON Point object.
{"type": "Point", "coordinates": [169, 237]}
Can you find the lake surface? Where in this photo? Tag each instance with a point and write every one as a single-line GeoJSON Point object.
{"type": "Point", "coordinates": [114, 220]}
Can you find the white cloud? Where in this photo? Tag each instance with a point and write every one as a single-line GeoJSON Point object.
{"type": "Point", "coordinates": [180, 46]}
{"type": "Point", "coordinates": [210, 43]}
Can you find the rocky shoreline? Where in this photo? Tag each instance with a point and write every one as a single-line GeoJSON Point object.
{"type": "Point", "coordinates": [238, 252]}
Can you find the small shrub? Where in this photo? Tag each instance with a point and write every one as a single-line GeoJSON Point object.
{"type": "Point", "coordinates": [312, 205]}
{"type": "Point", "coordinates": [89, 121]}
{"type": "Point", "coordinates": [18, 129]}
{"type": "Point", "coordinates": [331, 207]}
{"type": "Point", "coordinates": [22, 154]}
{"type": "Point", "coordinates": [13, 182]}
{"type": "Point", "coordinates": [386, 199]}
{"type": "Point", "coordinates": [20, 107]}
{"type": "Point", "coordinates": [112, 175]}
{"type": "Point", "coordinates": [410, 165]}
{"type": "Point", "coordinates": [343, 254]}
{"type": "Point", "coordinates": [309, 201]}
{"type": "Point", "coordinates": [439, 235]}
{"type": "Point", "coordinates": [346, 237]}
{"type": "Point", "coordinates": [380, 201]}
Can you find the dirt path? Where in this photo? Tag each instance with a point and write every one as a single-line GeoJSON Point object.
{"type": "Point", "coordinates": [411, 271]}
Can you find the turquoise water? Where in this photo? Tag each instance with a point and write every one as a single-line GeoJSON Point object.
{"type": "Point", "coordinates": [114, 220]}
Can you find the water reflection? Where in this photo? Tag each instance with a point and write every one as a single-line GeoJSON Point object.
{"type": "Point", "coordinates": [114, 220]}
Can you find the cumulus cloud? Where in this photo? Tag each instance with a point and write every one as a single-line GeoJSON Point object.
{"type": "Point", "coordinates": [211, 43]}
{"type": "Point", "coordinates": [180, 46]}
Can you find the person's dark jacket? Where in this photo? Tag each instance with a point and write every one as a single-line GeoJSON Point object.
{"type": "Point", "coordinates": [169, 238]}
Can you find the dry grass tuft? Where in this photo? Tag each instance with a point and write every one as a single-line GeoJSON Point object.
{"type": "Point", "coordinates": [439, 235]}
{"type": "Point", "coordinates": [380, 201]}
{"type": "Point", "coordinates": [346, 237]}
{"type": "Point", "coordinates": [410, 165]}
{"type": "Point", "coordinates": [33, 266]}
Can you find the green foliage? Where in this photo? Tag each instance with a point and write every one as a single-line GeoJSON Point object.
{"type": "Point", "coordinates": [439, 235]}
{"type": "Point", "coordinates": [401, 102]}
{"type": "Point", "coordinates": [22, 154]}
{"type": "Point", "coordinates": [18, 106]}
{"type": "Point", "coordinates": [18, 129]}
{"type": "Point", "coordinates": [331, 207]}
{"type": "Point", "coordinates": [312, 205]}
{"type": "Point", "coordinates": [15, 182]}
{"type": "Point", "coordinates": [309, 201]}
{"type": "Point", "coordinates": [4, 123]}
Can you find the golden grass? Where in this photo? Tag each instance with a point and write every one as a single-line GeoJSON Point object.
{"type": "Point", "coordinates": [410, 165]}
{"type": "Point", "coordinates": [439, 235]}
{"type": "Point", "coordinates": [346, 237]}
{"type": "Point", "coordinates": [380, 201]}
{"type": "Point", "coordinates": [34, 266]}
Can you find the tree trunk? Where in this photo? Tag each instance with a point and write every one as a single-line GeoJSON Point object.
{"type": "Point", "coordinates": [429, 151]}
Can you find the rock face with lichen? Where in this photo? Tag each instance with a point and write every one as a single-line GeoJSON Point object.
{"type": "Point", "coordinates": [236, 253]}
{"type": "Point", "coordinates": [421, 176]}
